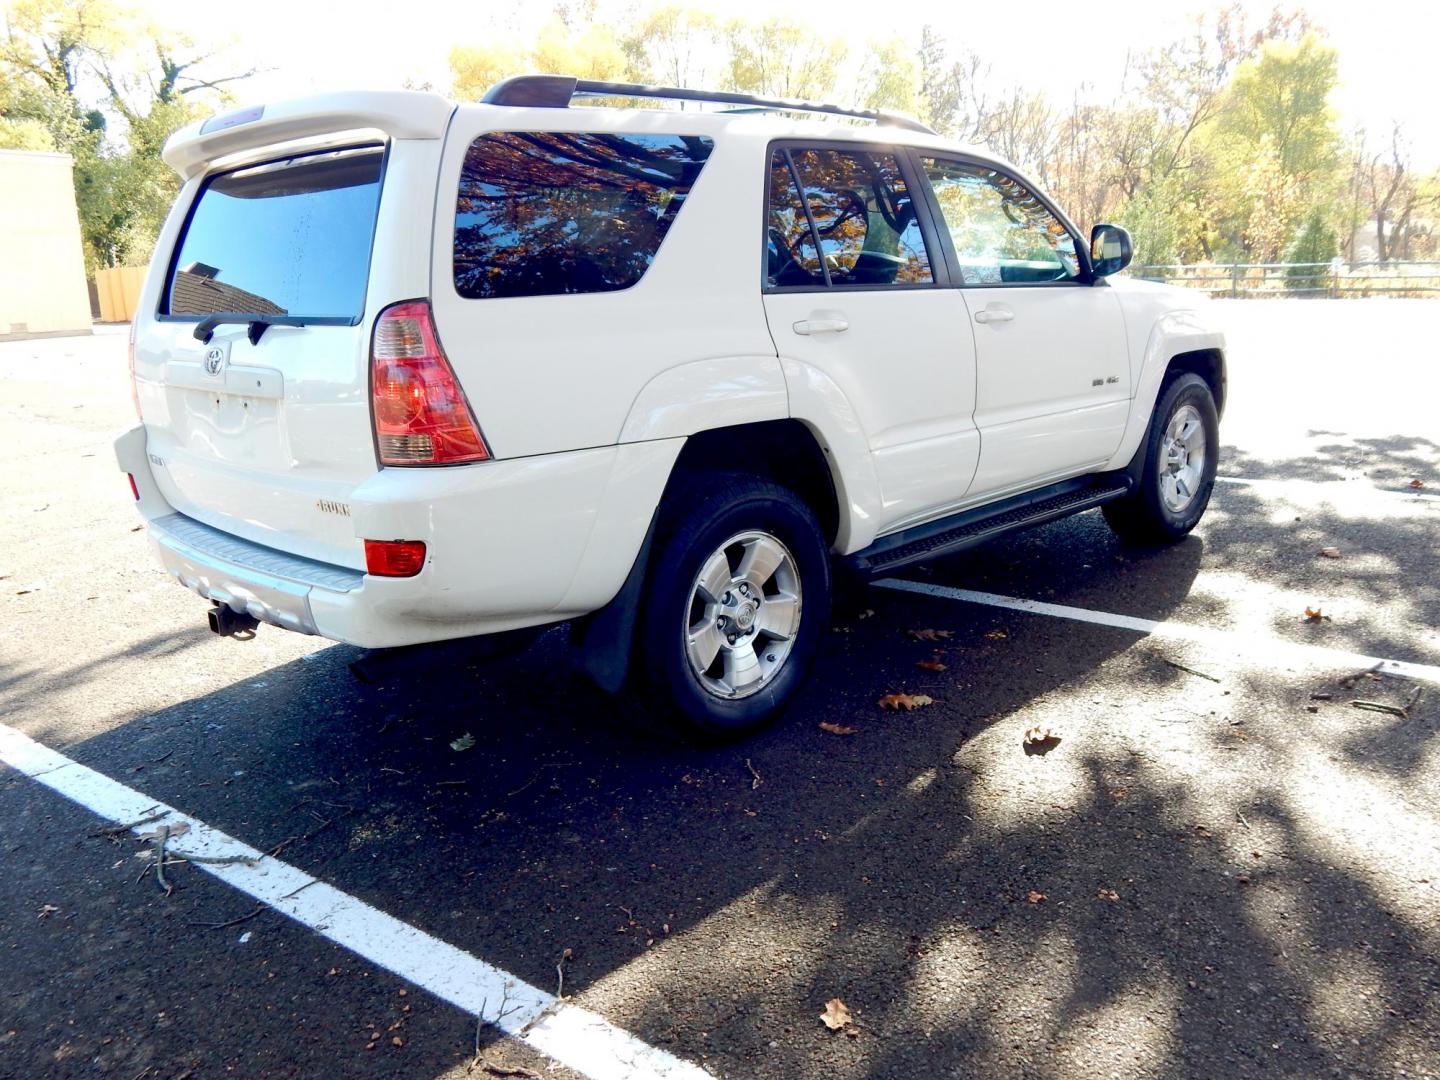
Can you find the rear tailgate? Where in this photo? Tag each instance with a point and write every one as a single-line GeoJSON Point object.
{"type": "Point", "coordinates": [264, 430]}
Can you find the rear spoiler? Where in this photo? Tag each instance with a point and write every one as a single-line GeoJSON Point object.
{"type": "Point", "coordinates": [400, 114]}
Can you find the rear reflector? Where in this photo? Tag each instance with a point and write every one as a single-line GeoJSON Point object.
{"type": "Point", "coordinates": [394, 558]}
{"type": "Point", "coordinates": [421, 414]}
{"type": "Point", "coordinates": [134, 488]}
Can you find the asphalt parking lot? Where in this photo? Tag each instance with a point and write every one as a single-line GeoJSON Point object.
{"type": "Point", "coordinates": [1223, 867]}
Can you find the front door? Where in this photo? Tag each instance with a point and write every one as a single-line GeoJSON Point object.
{"type": "Point", "coordinates": [1053, 374]}
{"type": "Point", "coordinates": [851, 290]}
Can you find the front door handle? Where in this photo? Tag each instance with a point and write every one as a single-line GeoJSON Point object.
{"type": "Point", "coordinates": [821, 326]}
{"type": "Point", "coordinates": [994, 314]}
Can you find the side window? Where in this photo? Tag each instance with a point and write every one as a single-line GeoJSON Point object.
{"type": "Point", "coordinates": [541, 213]}
{"type": "Point", "coordinates": [1002, 233]}
{"type": "Point", "coordinates": [864, 225]}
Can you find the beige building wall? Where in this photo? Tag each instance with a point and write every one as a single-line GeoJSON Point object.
{"type": "Point", "coordinates": [42, 267]}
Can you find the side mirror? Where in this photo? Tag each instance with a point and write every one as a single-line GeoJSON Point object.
{"type": "Point", "coordinates": [1110, 250]}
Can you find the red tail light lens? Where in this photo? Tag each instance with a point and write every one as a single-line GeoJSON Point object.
{"type": "Point", "coordinates": [134, 488]}
{"type": "Point", "coordinates": [421, 414]}
{"type": "Point", "coordinates": [394, 558]}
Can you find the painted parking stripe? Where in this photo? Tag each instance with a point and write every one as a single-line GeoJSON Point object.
{"type": "Point", "coordinates": [566, 1033]}
{"type": "Point", "coordinates": [1251, 645]}
{"type": "Point", "coordinates": [1323, 489]}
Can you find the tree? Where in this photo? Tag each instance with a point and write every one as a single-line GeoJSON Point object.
{"type": "Point", "coordinates": [674, 46]}
{"type": "Point", "coordinates": [890, 77]}
{"type": "Point", "coordinates": [782, 58]}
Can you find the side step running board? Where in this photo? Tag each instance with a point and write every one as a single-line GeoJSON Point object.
{"type": "Point", "coordinates": [972, 527]}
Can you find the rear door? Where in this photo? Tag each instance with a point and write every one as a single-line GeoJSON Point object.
{"type": "Point", "coordinates": [263, 431]}
{"type": "Point", "coordinates": [854, 288]}
{"type": "Point", "coordinates": [1053, 374]}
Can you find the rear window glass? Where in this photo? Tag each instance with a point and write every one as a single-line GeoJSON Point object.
{"type": "Point", "coordinates": [286, 238]}
{"type": "Point", "coordinates": [541, 213]}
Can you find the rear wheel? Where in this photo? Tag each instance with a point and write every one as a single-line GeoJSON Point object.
{"type": "Point", "coordinates": [736, 602]}
{"type": "Point", "coordinates": [1182, 451]}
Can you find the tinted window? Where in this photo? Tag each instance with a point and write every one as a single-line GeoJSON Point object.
{"type": "Point", "coordinates": [790, 245]}
{"type": "Point", "coordinates": [541, 213]}
{"type": "Point", "coordinates": [864, 220]}
{"type": "Point", "coordinates": [1001, 231]}
{"type": "Point", "coordinates": [286, 238]}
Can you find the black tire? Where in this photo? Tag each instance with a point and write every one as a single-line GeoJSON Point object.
{"type": "Point", "coordinates": [712, 508]}
{"type": "Point", "coordinates": [1143, 516]}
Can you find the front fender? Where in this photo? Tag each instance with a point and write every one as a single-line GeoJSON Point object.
{"type": "Point", "coordinates": [1174, 332]}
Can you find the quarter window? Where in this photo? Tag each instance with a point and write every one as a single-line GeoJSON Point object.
{"type": "Point", "coordinates": [860, 228]}
{"type": "Point", "coordinates": [541, 213]}
{"type": "Point", "coordinates": [1003, 234]}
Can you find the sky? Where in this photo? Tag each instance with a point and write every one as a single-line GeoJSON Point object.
{"type": "Point", "coordinates": [1387, 48]}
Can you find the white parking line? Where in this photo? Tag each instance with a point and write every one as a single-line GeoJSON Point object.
{"type": "Point", "coordinates": [585, 1042]}
{"type": "Point", "coordinates": [1325, 488]}
{"type": "Point", "coordinates": [1251, 646]}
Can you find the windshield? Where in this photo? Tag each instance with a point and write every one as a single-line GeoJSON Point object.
{"type": "Point", "coordinates": [289, 237]}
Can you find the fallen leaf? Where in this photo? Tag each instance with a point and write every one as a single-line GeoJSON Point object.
{"type": "Point", "coordinates": [867, 613]}
{"type": "Point", "coordinates": [46, 910]}
{"type": "Point", "coordinates": [1330, 552]}
{"type": "Point", "coordinates": [930, 665]}
{"type": "Point", "coordinates": [1107, 894]}
{"type": "Point", "coordinates": [1417, 483]}
{"type": "Point", "coordinates": [397, 1041]}
{"type": "Point", "coordinates": [932, 635]}
{"type": "Point", "coordinates": [1314, 614]}
{"type": "Point", "coordinates": [464, 742]}
{"type": "Point", "coordinates": [178, 829]}
{"type": "Point", "coordinates": [905, 701]}
{"type": "Point", "coordinates": [1036, 897]}
{"type": "Point", "coordinates": [836, 1015]}
{"type": "Point", "coordinates": [837, 729]}
{"type": "Point", "coordinates": [997, 635]}
{"type": "Point", "coordinates": [1119, 794]}
{"type": "Point", "coordinates": [1041, 734]}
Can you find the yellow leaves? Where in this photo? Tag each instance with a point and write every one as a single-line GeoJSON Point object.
{"type": "Point", "coordinates": [836, 729]}
{"type": "Point", "coordinates": [908, 702]}
{"type": "Point", "coordinates": [836, 1015]}
{"type": "Point", "coordinates": [930, 665]}
{"type": "Point", "coordinates": [997, 635]}
{"type": "Point", "coordinates": [1314, 614]}
{"type": "Point", "coordinates": [931, 635]}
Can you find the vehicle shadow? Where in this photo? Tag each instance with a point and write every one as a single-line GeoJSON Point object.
{"type": "Point", "coordinates": [923, 869]}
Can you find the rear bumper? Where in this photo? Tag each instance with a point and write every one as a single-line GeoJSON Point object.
{"type": "Point", "coordinates": [509, 544]}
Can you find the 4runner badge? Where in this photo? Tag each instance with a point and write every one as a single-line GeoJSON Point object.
{"type": "Point", "coordinates": [214, 360]}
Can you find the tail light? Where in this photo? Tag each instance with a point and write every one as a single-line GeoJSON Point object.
{"type": "Point", "coordinates": [130, 360]}
{"type": "Point", "coordinates": [421, 414]}
{"type": "Point", "coordinates": [394, 558]}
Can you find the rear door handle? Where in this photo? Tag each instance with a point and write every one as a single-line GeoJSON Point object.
{"type": "Point", "coordinates": [994, 314]}
{"type": "Point", "coordinates": [821, 326]}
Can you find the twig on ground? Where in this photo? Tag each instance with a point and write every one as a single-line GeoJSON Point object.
{"type": "Point", "coordinates": [1380, 706]}
{"type": "Point", "coordinates": [283, 844]}
{"type": "Point", "coordinates": [756, 782]}
{"type": "Point", "coordinates": [1327, 696]}
{"type": "Point", "coordinates": [560, 974]}
{"type": "Point", "coordinates": [233, 922]}
{"type": "Point", "coordinates": [160, 858]}
{"type": "Point", "coordinates": [218, 860]}
{"type": "Point", "coordinates": [1190, 670]}
{"type": "Point", "coordinates": [1349, 681]}
{"type": "Point", "coordinates": [1241, 816]}
{"type": "Point", "coordinates": [1413, 699]}
{"type": "Point", "coordinates": [121, 830]}
{"type": "Point", "coordinates": [508, 1070]}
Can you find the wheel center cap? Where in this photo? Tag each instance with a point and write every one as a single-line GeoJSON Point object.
{"type": "Point", "coordinates": [745, 616]}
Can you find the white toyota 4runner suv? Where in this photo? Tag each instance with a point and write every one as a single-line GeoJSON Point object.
{"type": "Point", "coordinates": [409, 370]}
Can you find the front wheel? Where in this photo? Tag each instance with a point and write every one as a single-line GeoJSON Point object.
{"type": "Point", "coordinates": [736, 603]}
{"type": "Point", "coordinates": [1182, 451]}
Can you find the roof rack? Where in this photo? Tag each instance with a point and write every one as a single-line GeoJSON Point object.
{"type": "Point", "coordinates": [556, 92]}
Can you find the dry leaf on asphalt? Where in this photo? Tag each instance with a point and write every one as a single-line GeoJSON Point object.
{"type": "Point", "coordinates": [1036, 897]}
{"type": "Point", "coordinates": [1107, 894]}
{"type": "Point", "coordinates": [905, 701]}
{"type": "Point", "coordinates": [1417, 483]}
{"type": "Point", "coordinates": [1314, 614]}
{"type": "Point", "coordinates": [997, 635]}
{"type": "Point", "coordinates": [930, 665]}
{"type": "Point", "coordinates": [1330, 552]}
{"type": "Point", "coordinates": [464, 742]}
{"type": "Point", "coordinates": [837, 729]}
{"type": "Point", "coordinates": [836, 1015]}
{"type": "Point", "coordinates": [932, 635]}
{"type": "Point", "coordinates": [177, 830]}
{"type": "Point", "coordinates": [1041, 734]}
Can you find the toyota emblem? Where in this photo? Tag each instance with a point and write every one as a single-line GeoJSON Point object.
{"type": "Point", "coordinates": [214, 360]}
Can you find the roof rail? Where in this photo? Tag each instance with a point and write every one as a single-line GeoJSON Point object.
{"type": "Point", "coordinates": [556, 92]}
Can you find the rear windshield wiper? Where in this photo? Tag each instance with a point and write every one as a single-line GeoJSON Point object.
{"type": "Point", "coordinates": [205, 328]}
